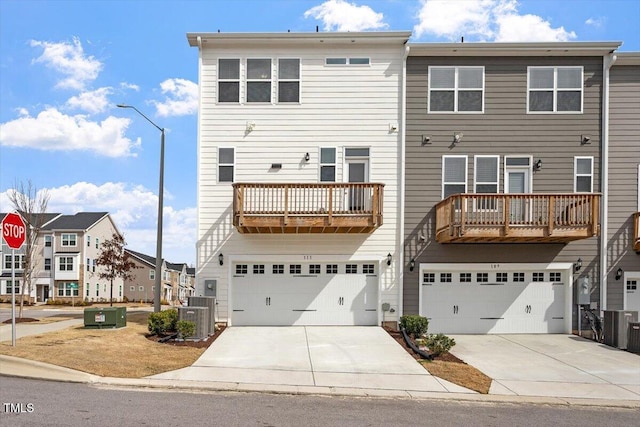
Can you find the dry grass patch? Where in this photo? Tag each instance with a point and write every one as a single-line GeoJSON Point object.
{"type": "Point", "coordinates": [459, 373]}
{"type": "Point", "coordinates": [123, 353]}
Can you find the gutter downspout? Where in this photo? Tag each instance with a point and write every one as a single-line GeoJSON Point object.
{"type": "Point", "coordinates": [607, 63]}
{"type": "Point", "coordinates": [401, 174]}
{"type": "Point", "coordinates": [199, 284]}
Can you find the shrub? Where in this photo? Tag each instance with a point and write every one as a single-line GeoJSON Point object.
{"type": "Point", "coordinates": [125, 299]}
{"type": "Point", "coordinates": [414, 325]}
{"type": "Point", "coordinates": [164, 321]}
{"type": "Point", "coordinates": [186, 328]}
{"type": "Point", "coordinates": [439, 343]}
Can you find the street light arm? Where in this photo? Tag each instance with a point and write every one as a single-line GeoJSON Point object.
{"type": "Point", "coordinates": [142, 114]}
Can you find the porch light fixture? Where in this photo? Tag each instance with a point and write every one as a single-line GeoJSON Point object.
{"type": "Point", "coordinates": [457, 136]}
{"type": "Point", "coordinates": [586, 139]}
{"type": "Point", "coordinates": [250, 126]}
{"type": "Point", "coordinates": [221, 258]}
{"type": "Point", "coordinates": [307, 157]}
{"type": "Point", "coordinates": [578, 265]}
{"type": "Point", "coordinates": [389, 259]}
{"type": "Point", "coordinates": [412, 264]}
{"type": "Point", "coordinates": [619, 274]}
{"type": "Point", "coordinates": [538, 165]}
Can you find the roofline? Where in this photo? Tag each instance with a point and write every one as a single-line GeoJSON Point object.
{"type": "Point", "coordinates": [308, 37]}
{"type": "Point", "coordinates": [627, 58]}
{"type": "Point", "coordinates": [135, 255]}
{"type": "Point", "coordinates": [514, 49]}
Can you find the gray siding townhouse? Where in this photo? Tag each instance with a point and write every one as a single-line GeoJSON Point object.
{"type": "Point", "coordinates": [622, 259]}
{"type": "Point", "coordinates": [503, 184]}
{"type": "Point", "coordinates": [141, 286]}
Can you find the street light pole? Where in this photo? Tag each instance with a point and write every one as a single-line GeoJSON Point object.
{"type": "Point", "coordinates": [158, 278]}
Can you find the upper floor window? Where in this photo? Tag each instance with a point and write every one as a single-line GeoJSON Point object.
{"type": "Point", "coordinates": [327, 164]}
{"type": "Point", "coordinates": [66, 263]}
{"type": "Point", "coordinates": [288, 80]}
{"type": "Point", "coordinates": [97, 243]}
{"type": "Point", "coordinates": [347, 61]}
{"type": "Point", "coordinates": [152, 274]}
{"type": "Point", "coordinates": [47, 241]}
{"type": "Point", "coordinates": [583, 172]}
{"type": "Point", "coordinates": [454, 175]}
{"type": "Point", "coordinates": [554, 89]}
{"type": "Point", "coordinates": [88, 241]}
{"type": "Point", "coordinates": [456, 89]}
{"type": "Point", "coordinates": [68, 239]}
{"type": "Point", "coordinates": [18, 262]}
{"type": "Point", "coordinates": [258, 80]}
{"type": "Point", "coordinates": [226, 160]}
{"type": "Point", "coordinates": [229, 80]}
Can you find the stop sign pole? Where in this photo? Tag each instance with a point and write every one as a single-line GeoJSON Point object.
{"type": "Point", "coordinates": [13, 232]}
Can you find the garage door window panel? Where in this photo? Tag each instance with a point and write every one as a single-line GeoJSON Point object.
{"type": "Point", "coordinates": [332, 268]}
{"type": "Point", "coordinates": [258, 269]}
{"type": "Point", "coordinates": [241, 269]}
{"type": "Point", "coordinates": [295, 269]}
{"type": "Point", "coordinates": [278, 269]}
{"type": "Point", "coordinates": [351, 269]}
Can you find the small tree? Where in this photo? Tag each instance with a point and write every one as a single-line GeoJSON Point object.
{"type": "Point", "coordinates": [31, 203]}
{"type": "Point", "coordinates": [115, 261]}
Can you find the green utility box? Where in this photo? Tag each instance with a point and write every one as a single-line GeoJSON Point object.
{"type": "Point", "coordinates": [107, 317]}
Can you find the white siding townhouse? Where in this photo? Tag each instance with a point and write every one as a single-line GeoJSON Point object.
{"type": "Point", "coordinates": [299, 149]}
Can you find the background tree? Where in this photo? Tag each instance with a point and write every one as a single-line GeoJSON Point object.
{"type": "Point", "coordinates": [31, 204]}
{"type": "Point", "coordinates": [115, 261]}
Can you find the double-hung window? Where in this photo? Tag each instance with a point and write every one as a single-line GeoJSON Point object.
{"type": "Point", "coordinates": [66, 263]}
{"type": "Point", "coordinates": [486, 171]}
{"type": "Point", "coordinates": [327, 164]}
{"type": "Point", "coordinates": [68, 239]}
{"type": "Point", "coordinates": [226, 161]}
{"type": "Point", "coordinates": [583, 172]}
{"type": "Point", "coordinates": [456, 89]}
{"type": "Point", "coordinates": [258, 80]}
{"type": "Point", "coordinates": [554, 89]}
{"type": "Point", "coordinates": [288, 80]}
{"type": "Point", "coordinates": [229, 80]}
{"type": "Point", "coordinates": [454, 175]}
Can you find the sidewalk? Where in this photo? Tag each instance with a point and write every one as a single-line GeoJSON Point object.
{"type": "Point", "coordinates": [12, 366]}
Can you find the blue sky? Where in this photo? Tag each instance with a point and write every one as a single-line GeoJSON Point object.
{"type": "Point", "coordinates": [64, 65]}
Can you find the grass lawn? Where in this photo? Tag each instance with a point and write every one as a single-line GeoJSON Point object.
{"type": "Point", "coordinates": [123, 353]}
{"type": "Point", "coordinates": [459, 373]}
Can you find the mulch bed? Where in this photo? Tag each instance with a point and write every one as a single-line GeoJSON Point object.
{"type": "Point", "coordinates": [397, 335]}
{"type": "Point", "coordinates": [188, 343]}
{"type": "Point", "coordinates": [22, 320]}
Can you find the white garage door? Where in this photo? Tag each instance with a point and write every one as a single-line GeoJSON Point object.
{"type": "Point", "coordinates": [494, 302]}
{"type": "Point", "coordinates": [304, 293]}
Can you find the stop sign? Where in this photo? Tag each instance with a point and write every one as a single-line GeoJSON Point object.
{"type": "Point", "coordinates": [13, 230]}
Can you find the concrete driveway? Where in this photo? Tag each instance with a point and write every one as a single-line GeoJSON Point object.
{"type": "Point", "coordinates": [552, 365]}
{"type": "Point", "coordinates": [344, 357]}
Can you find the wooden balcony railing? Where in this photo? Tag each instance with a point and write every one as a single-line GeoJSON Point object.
{"type": "Point", "coordinates": [636, 231]}
{"type": "Point", "coordinates": [514, 218]}
{"type": "Point", "coordinates": [307, 208]}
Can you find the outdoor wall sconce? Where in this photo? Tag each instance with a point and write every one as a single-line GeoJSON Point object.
{"type": "Point", "coordinates": [457, 136]}
{"type": "Point", "coordinates": [619, 274]}
{"type": "Point", "coordinates": [389, 259]}
{"type": "Point", "coordinates": [586, 139]}
{"type": "Point", "coordinates": [307, 157]}
{"type": "Point", "coordinates": [426, 139]}
{"type": "Point", "coordinates": [538, 165]}
{"type": "Point", "coordinates": [221, 258]}
{"type": "Point", "coordinates": [412, 264]}
{"type": "Point", "coordinates": [578, 265]}
{"type": "Point", "coordinates": [250, 126]}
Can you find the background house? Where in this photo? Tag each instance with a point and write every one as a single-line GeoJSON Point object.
{"type": "Point", "coordinates": [299, 148]}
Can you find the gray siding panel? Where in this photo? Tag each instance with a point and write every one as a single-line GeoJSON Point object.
{"type": "Point", "coordinates": [624, 158]}
{"type": "Point", "coordinates": [504, 128]}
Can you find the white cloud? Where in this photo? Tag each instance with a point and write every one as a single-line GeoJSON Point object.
{"type": "Point", "coordinates": [181, 98]}
{"type": "Point", "coordinates": [339, 15]}
{"type": "Point", "coordinates": [134, 210]}
{"type": "Point", "coordinates": [484, 20]}
{"type": "Point", "coordinates": [125, 85]}
{"type": "Point", "coordinates": [595, 22]}
{"type": "Point", "coordinates": [69, 60]}
{"type": "Point", "coordinates": [94, 101]}
{"type": "Point", "coordinates": [52, 130]}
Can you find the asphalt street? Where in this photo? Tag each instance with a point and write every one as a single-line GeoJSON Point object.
{"type": "Point", "coordinates": [26, 402]}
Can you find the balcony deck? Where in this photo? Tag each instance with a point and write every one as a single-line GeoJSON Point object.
{"type": "Point", "coordinates": [517, 218]}
{"type": "Point", "coordinates": [636, 231]}
{"type": "Point", "coordinates": [307, 208]}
